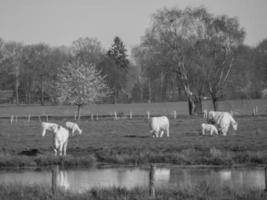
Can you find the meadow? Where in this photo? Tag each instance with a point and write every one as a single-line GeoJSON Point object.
{"type": "Point", "coordinates": [240, 107]}
{"type": "Point", "coordinates": [127, 141]}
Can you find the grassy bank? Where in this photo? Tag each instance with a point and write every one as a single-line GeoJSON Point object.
{"type": "Point", "coordinates": [129, 142]}
{"type": "Point", "coordinates": [200, 192]}
{"type": "Point", "coordinates": [45, 160]}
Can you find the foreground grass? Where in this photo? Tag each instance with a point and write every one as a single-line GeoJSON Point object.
{"type": "Point", "coordinates": [45, 160]}
{"type": "Point", "coordinates": [200, 192]}
{"type": "Point", "coordinates": [129, 142]}
{"type": "Point", "coordinates": [211, 156]}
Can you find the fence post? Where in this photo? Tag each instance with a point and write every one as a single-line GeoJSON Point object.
{"type": "Point", "coordinates": [11, 119]}
{"type": "Point", "coordinates": [131, 115]}
{"type": "Point", "coordinates": [205, 114]}
{"type": "Point", "coordinates": [29, 118]}
{"type": "Point", "coordinates": [152, 181]}
{"type": "Point", "coordinates": [115, 115]}
{"type": "Point", "coordinates": [148, 115]}
{"type": "Point", "coordinates": [97, 116]}
{"type": "Point", "coordinates": [174, 114]}
{"type": "Point", "coordinates": [54, 182]}
{"type": "Point", "coordinates": [92, 116]}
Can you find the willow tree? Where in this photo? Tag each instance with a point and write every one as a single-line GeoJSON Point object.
{"type": "Point", "coordinates": [196, 46]}
{"type": "Point", "coordinates": [81, 84]}
{"type": "Point", "coordinates": [172, 36]}
{"type": "Point", "coordinates": [216, 53]}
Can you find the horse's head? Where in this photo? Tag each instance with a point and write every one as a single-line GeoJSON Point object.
{"type": "Point", "coordinates": [235, 125]}
{"type": "Point", "coordinates": [73, 127]}
{"type": "Point", "coordinates": [211, 115]}
{"type": "Point", "coordinates": [80, 131]}
{"type": "Point", "coordinates": [49, 127]}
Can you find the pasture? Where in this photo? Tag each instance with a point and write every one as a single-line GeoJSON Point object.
{"type": "Point", "coordinates": [240, 107]}
{"type": "Point", "coordinates": [128, 141]}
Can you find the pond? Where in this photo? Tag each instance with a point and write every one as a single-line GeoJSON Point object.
{"type": "Point", "coordinates": [81, 180]}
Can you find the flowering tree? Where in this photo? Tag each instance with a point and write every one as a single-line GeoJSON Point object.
{"type": "Point", "coordinates": [79, 84]}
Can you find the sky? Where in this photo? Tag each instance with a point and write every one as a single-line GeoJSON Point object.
{"type": "Point", "coordinates": [60, 22]}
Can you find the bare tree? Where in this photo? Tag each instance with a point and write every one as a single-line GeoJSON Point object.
{"type": "Point", "coordinates": [171, 37]}
{"type": "Point", "coordinates": [215, 53]}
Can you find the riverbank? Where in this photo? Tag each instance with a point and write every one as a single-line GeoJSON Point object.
{"type": "Point", "coordinates": [202, 191]}
{"type": "Point", "coordinates": [212, 157]}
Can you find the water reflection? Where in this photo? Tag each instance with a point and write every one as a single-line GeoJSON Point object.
{"type": "Point", "coordinates": [85, 179]}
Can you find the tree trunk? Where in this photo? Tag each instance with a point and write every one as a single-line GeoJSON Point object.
{"type": "Point", "coordinates": [215, 103]}
{"type": "Point", "coordinates": [191, 106]}
{"type": "Point", "coordinates": [198, 103]}
{"type": "Point", "coordinates": [149, 91]}
{"type": "Point", "coordinates": [141, 93]}
{"type": "Point", "coordinates": [79, 111]}
{"type": "Point", "coordinates": [194, 105]}
{"type": "Point", "coordinates": [28, 97]}
{"type": "Point", "coordinates": [115, 97]}
{"type": "Point", "coordinates": [162, 85]}
{"type": "Point", "coordinates": [17, 83]}
{"type": "Point", "coordinates": [17, 90]}
{"type": "Point", "coordinates": [42, 91]}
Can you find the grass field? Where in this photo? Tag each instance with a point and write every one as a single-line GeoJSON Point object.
{"type": "Point", "coordinates": [242, 107]}
{"type": "Point", "coordinates": [200, 192]}
{"type": "Point", "coordinates": [128, 141]}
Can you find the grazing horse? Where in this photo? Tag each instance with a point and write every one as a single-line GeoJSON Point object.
{"type": "Point", "coordinates": [159, 125]}
{"type": "Point", "coordinates": [223, 120]}
{"type": "Point", "coordinates": [60, 137]}
{"type": "Point", "coordinates": [73, 127]}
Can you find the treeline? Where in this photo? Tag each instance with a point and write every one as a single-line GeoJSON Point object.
{"type": "Point", "coordinates": [33, 72]}
{"type": "Point", "coordinates": [185, 54]}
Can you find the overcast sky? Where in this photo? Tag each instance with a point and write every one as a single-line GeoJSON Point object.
{"type": "Point", "coordinates": [59, 22]}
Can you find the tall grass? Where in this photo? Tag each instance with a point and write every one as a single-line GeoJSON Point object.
{"type": "Point", "coordinates": [191, 156]}
{"type": "Point", "coordinates": [200, 192]}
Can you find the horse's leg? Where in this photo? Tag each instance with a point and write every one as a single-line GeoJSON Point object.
{"type": "Point", "coordinates": [60, 149]}
{"type": "Point", "coordinates": [224, 131]}
{"type": "Point", "coordinates": [161, 132]}
{"type": "Point", "coordinates": [55, 151]}
{"type": "Point", "coordinates": [153, 133]}
{"type": "Point", "coordinates": [157, 133]}
{"type": "Point", "coordinates": [65, 148]}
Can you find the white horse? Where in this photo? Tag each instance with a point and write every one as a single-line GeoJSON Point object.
{"type": "Point", "coordinates": [210, 128]}
{"type": "Point", "coordinates": [222, 120]}
{"type": "Point", "coordinates": [159, 125]}
{"type": "Point", "coordinates": [60, 137]}
{"type": "Point", "coordinates": [73, 127]}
